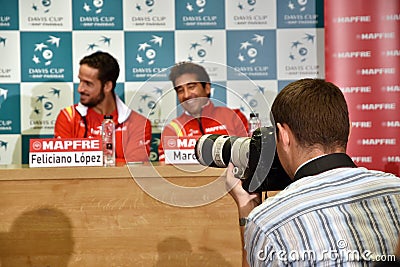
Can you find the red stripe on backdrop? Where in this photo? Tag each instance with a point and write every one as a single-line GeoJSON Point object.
{"type": "Point", "coordinates": [362, 57]}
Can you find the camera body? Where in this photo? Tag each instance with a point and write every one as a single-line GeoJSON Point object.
{"type": "Point", "coordinates": [254, 158]}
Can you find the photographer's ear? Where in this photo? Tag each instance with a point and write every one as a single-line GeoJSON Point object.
{"type": "Point", "coordinates": [283, 134]}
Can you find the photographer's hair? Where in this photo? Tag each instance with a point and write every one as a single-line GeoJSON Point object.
{"type": "Point", "coordinates": [106, 64]}
{"type": "Point", "coordinates": [316, 112]}
{"type": "Point", "coordinates": [188, 67]}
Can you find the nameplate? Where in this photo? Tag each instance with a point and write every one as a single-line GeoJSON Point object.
{"type": "Point", "coordinates": [180, 150]}
{"type": "Point", "coordinates": [56, 152]}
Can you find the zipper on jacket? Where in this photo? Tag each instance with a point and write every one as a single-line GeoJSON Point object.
{"type": "Point", "coordinates": [200, 125]}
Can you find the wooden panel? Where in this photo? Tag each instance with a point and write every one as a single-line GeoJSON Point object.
{"type": "Point", "coordinates": [101, 217]}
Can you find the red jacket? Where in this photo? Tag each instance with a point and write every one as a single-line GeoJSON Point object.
{"type": "Point", "coordinates": [133, 131]}
{"type": "Point", "coordinates": [213, 120]}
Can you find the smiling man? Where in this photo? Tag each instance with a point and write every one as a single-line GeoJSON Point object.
{"type": "Point", "coordinates": [98, 74]}
{"type": "Point", "coordinates": [193, 88]}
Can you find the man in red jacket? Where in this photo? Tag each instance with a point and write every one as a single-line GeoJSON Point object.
{"type": "Point", "coordinates": [98, 74]}
{"type": "Point", "coordinates": [200, 116]}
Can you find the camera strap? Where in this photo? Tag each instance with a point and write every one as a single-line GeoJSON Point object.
{"type": "Point", "coordinates": [324, 163]}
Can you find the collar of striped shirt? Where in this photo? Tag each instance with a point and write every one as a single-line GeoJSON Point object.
{"type": "Point", "coordinates": [324, 163]}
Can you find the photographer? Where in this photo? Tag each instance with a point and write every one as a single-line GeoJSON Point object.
{"type": "Point", "coordinates": [333, 213]}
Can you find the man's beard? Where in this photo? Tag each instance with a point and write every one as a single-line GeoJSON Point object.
{"type": "Point", "coordinates": [94, 102]}
{"type": "Point", "coordinates": [195, 105]}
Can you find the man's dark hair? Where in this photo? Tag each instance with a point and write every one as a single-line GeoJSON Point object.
{"type": "Point", "coordinates": [316, 112]}
{"type": "Point", "coordinates": [188, 67]}
{"type": "Point", "coordinates": [106, 64]}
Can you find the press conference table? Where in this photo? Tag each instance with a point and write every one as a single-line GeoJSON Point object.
{"type": "Point", "coordinates": [97, 216]}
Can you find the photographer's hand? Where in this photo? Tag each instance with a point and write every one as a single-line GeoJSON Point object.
{"type": "Point", "coordinates": [245, 202]}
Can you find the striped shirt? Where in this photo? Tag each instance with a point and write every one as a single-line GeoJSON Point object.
{"type": "Point", "coordinates": [340, 217]}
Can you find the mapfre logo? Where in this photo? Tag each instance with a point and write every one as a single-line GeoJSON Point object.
{"type": "Point", "coordinates": [186, 143]}
{"type": "Point", "coordinates": [377, 141]}
{"type": "Point", "coordinates": [377, 106]}
{"type": "Point", "coordinates": [37, 145]}
{"type": "Point", "coordinates": [173, 142]}
{"type": "Point", "coordinates": [391, 124]}
{"type": "Point", "coordinates": [45, 145]}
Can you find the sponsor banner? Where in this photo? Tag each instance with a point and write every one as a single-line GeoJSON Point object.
{"type": "Point", "coordinates": [180, 150]}
{"type": "Point", "coordinates": [200, 14]}
{"type": "Point", "coordinates": [203, 47]}
{"type": "Point", "coordinates": [252, 54]}
{"type": "Point", "coordinates": [42, 15]}
{"type": "Point", "coordinates": [250, 14]}
{"type": "Point", "coordinates": [10, 149]}
{"type": "Point", "coordinates": [151, 100]}
{"type": "Point", "coordinates": [40, 105]}
{"type": "Point", "coordinates": [10, 122]}
{"type": "Point", "coordinates": [252, 97]}
{"type": "Point", "coordinates": [97, 15]}
{"type": "Point", "coordinates": [10, 70]}
{"type": "Point", "coordinates": [145, 15]}
{"type": "Point", "coordinates": [300, 54]}
{"type": "Point", "coordinates": [301, 13]}
{"type": "Point", "coordinates": [55, 152]}
{"type": "Point", "coordinates": [9, 19]}
{"type": "Point", "coordinates": [46, 56]}
{"type": "Point", "coordinates": [365, 65]}
{"type": "Point", "coordinates": [150, 55]}
{"type": "Point", "coordinates": [93, 41]}
{"type": "Point", "coordinates": [236, 41]}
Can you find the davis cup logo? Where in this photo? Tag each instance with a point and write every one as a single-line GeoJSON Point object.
{"type": "Point", "coordinates": [95, 7]}
{"type": "Point", "coordinates": [147, 51]}
{"type": "Point", "coordinates": [43, 6]}
{"type": "Point", "coordinates": [197, 6]}
{"type": "Point", "coordinates": [150, 102]}
{"type": "Point", "coordinates": [300, 48]}
{"type": "Point", "coordinates": [198, 49]}
{"type": "Point", "coordinates": [249, 49]}
{"type": "Point", "coordinates": [44, 52]}
{"type": "Point", "coordinates": [102, 42]}
{"type": "Point", "coordinates": [247, 6]}
{"type": "Point", "coordinates": [44, 104]}
{"type": "Point", "coordinates": [251, 99]}
{"type": "Point", "coordinates": [147, 6]}
{"type": "Point", "coordinates": [46, 56]}
{"type": "Point", "coordinates": [297, 5]}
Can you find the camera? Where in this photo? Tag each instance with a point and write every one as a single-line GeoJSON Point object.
{"type": "Point", "coordinates": [254, 158]}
